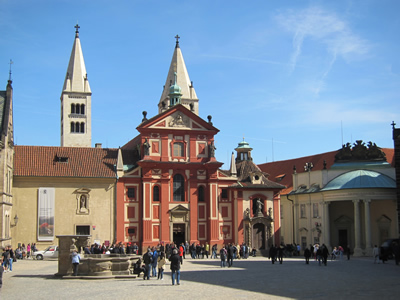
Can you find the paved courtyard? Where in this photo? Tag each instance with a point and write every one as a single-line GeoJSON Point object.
{"type": "Point", "coordinates": [254, 278]}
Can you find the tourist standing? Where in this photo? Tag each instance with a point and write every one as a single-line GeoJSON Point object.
{"type": "Point", "coordinates": [230, 255]}
{"type": "Point", "coordinates": [154, 262]}
{"type": "Point", "coordinates": [348, 252]}
{"type": "Point", "coordinates": [1, 273]}
{"type": "Point", "coordinates": [222, 255]}
{"type": "Point", "coordinates": [161, 264]}
{"type": "Point", "coordinates": [76, 258]}
{"type": "Point", "coordinates": [307, 255]}
{"type": "Point", "coordinates": [175, 267]}
{"type": "Point", "coordinates": [375, 254]}
{"type": "Point", "coordinates": [181, 252]}
{"type": "Point", "coordinates": [147, 257]}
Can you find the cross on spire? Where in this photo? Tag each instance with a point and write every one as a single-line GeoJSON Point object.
{"type": "Point", "coordinates": [177, 40]}
{"type": "Point", "coordinates": [9, 76]}
{"type": "Point", "coordinates": [77, 29]}
{"type": "Point", "coordinates": [393, 125]}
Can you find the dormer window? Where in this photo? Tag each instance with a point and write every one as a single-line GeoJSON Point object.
{"type": "Point", "coordinates": [61, 159]}
{"type": "Point", "coordinates": [256, 177]}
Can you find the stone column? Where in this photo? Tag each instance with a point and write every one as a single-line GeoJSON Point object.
{"type": "Point", "coordinates": [357, 229]}
{"type": "Point", "coordinates": [326, 229]}
{"type": "Point", "coordinates": [368, 245]}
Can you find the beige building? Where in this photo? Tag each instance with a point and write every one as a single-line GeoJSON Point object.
{"type": "Point", "coordinates": [63, 191]}
{"type": "Point", "coordinates": [8, 216]}
{"type": "Point", "coordinates": [345, 197]}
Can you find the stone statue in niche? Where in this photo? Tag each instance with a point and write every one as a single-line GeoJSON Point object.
{"type": "Point", "coordinates": [212, 149]}
{"type": "Point", "coordinates": [146, 147]}
{"type": "Point", "coordinates": [259, 206]}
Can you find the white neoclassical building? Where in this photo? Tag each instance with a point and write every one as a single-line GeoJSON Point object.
{"type": "Point", "coordinates": [340, 198]}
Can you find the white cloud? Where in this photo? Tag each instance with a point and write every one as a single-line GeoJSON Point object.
{"type": "Point", "coordinates": [326, 28]}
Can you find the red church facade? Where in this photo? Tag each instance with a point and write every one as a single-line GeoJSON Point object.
{"type": "Point", "coordinates": [170, 186]}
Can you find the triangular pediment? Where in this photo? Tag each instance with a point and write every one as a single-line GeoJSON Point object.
{"type": "Point", "coordinates": [179, 209]}
{"type": "Point", "coordinates": [178, 117]}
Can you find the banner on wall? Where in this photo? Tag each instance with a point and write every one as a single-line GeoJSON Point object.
{"type": "Point", "coordinates": [46, 214]}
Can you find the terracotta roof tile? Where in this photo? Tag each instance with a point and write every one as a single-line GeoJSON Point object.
{"type": "Point", "coordinates": [42, 161]}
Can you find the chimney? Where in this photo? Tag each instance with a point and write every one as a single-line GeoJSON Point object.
{"type": "Point", "coordinates": [97, 145]}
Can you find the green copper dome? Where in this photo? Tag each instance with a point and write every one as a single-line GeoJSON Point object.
{"type": "Point", "coordinates": [360, 179]}
{"type": "Point", "coordinates": [175, 89]}
{"type": "Point", "coordinates": [243, 145]}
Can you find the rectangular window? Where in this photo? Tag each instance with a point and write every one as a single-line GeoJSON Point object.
{"type": "Point", "coordinates": [131, 193]}
{"type": "Point", "coordinates": [303, 211]}
{"type": "Point", "coordinates": [224, 194]}
{"type": "Point", "coordinates": [315, 210]}
{"type": "Point", "coordinates": [83, 230]}
{"type": "Point", "coordinates": [303, 242]}
{"type": "Point", "coordinates": [178, 149]}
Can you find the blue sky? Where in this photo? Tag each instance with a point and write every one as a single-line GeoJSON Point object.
{"type": "Point", "coordinates": [295, 78]}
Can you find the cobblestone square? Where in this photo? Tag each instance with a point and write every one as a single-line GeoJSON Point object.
{"type": "Point", "coordinates": [253, 278]}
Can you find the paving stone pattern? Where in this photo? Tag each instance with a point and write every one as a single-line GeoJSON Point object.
{"type": "Point", "coordinates": [253, 278]}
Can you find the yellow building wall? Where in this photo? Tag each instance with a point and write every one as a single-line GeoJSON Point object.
{"type": "Point", "coordinates": [100, 216]}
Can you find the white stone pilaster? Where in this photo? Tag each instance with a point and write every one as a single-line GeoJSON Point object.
{"type": "Point", "coordinates": [368, 244]}
{"type": "Point", "coordinates": [357, 229]}
{"type": "Point", "coordinates": [327, 232]}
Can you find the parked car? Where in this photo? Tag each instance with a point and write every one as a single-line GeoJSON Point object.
{"type": "Point", "coordinates": [387, 247]}
{"type": "Point", "coordinates": [50, 252]}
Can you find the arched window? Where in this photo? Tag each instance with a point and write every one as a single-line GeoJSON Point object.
{"type": "Point", "coordinates": [179, 188]}
{"type": "Point", "coordinates": [72, 108]}
{"type": "Point", "coordinates": [72, 127]}
{"type": "Point", "coordinates": [82, 109]}
{"type": "Point", "coordinates": [200, 193]}
{"type": "Point", "coordinates": [82, 127]}
{"type": "Point", "coordinates": [77, 108]}
{"type": "Point", "coordinates": [178, 149]}
{"type": "Point", "coordinates": [156, 193]}
{"type": "Point", "coordinates": [77, 127]}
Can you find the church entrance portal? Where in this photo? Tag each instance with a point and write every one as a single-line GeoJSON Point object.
{"type": "Point", "coordinates": [179, 234]}
{"type": "Point", "coordinates": [343, 238]}
{"type": "Point", "coordinates": [259, 236]}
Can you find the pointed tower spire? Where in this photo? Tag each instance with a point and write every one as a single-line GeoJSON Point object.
{"type": "Point", "coordinates": [189, 98]}
{"type": "Point", "coordinates": [120, 164]}
{"type": "Point", "coordinates": [76, 101]}
{"type": "Point", "coordinates": [233, 166]}
{"type": "Point", "coordinates": [76, 79]}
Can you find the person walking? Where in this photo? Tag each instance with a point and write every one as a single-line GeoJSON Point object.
{"type": "Point", "coordinates": [175, 267]}
{"type": "Point", "coordinates": [272, 254]}
{"type": "Point", "coordinates": [325, 254]}
{"type": "Point", "coordinates": [280, 254]}
{"type": "Point", "coordinates": [76, 258]}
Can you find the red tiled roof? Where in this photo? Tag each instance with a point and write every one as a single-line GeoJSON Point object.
{"type": "Point", "coordinates": [285, 167]}
{"type": "Point", "coordinates": [42, 161]}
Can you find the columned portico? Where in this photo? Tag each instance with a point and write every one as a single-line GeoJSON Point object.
{"type": "Point", "coordinates": [357, 229]}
